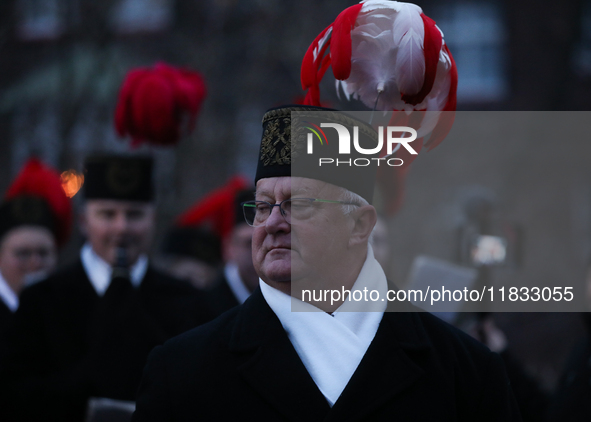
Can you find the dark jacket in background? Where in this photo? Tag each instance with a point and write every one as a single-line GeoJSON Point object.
{"type": "Point", "coordinates": [5, 317]}
{"type": "Point", "coordinates": [572, 399]}
{"type": "Point", "coordinates": [221, 298]}
{"type": "Point", "coordinates": [66, 344]}
{"type": "Point", "coordinates": [531, 399]}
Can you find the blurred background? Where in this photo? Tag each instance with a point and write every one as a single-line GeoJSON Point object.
{"type": "Point", "coordinates": [63, 61]}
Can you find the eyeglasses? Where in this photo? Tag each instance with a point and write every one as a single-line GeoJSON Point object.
{"type": "Point", "coordinates": [256, 213]}
{"type": "Point", "coordinates": [25, 254]}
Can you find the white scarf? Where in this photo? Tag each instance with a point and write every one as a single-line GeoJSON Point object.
{"type": "Point", "coordinates": [99, 271]}
{"type": "Point", "coordinates": [332, 346]}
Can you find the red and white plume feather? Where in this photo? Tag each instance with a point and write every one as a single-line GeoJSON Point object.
{"type": "Point", "coordinates": [159, 105]}
{"type": "Point", "coordinates": [388, 48]}
{"type": "Point", "coordinates": [392, 57]}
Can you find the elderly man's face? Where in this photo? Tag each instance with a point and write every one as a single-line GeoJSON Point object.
{"type": "Point", "coordinates": [109, 224]}
{"type": "Point", "coordinates": [311, 249]}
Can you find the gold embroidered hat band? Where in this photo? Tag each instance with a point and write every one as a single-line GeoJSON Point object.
{"type": "Point", "coordinates": [296, 138]}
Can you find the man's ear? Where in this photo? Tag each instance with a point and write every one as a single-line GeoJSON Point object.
{"type": "Point", "coordinates": [365, 219]}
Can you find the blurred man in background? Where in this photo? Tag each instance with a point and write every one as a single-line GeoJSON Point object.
{"type": "Point", "coordinates": [35, 218]}
{"type": "Point", "coordinates": [86, 331]}
{"type": "Point", "coordinates": [219, 214]}
{"type": "Point", "coordinates": [239, 278]}
{"type": "Point", "coordinates": [193, 254]}
{"type": "Point", "coordinates": [572, 398]}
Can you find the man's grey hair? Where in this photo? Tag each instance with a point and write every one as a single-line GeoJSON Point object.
{"type": "Point", "coordinates": [348, 196]}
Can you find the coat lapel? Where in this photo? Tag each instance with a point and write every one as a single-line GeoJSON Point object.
{"type": "Point", "coordinates": [391, 365]}
{"type": "Point", "coordinates": [72, 303]}
{"type": "Point", "coordinates": [271, 364]}
{"type": "Point", "coordinates": [5, 316]}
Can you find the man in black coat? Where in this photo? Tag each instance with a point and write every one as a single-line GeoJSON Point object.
{"type": "Point", "coordinates": [238, 278]}
{"type": "Point", "coordinates": [35, 220]}
{"type": "Point", "coordinates": [210, 246]}
{"type": "Point", "coordinates": [285, 355]}
{"type": "Point", "coordinates": [86, 330]}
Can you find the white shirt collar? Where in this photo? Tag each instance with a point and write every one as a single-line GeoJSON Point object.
{"type": "Point", "coordinates": [99, 271]}
{"type": "Point", "coordinates": [8, 296]}
{"type": "Point", "coordinates": [241, 293]}
{"type": "Point", "coordinates": [332, 346]}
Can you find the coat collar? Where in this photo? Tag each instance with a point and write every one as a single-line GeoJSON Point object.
{"type": "Point", "coordinates": [391, 365]}
{"type": "Point", "coordinates": [99, 271]}
{"type": "Point", "coordinates": [272, 367]}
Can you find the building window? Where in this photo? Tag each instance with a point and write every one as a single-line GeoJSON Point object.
{"type": "Point", "coordinates": [40, 20]}
{"type": "Point", "coordinates": [582, 51]}
{"type": "Point", "coordinates": [142, 16]}
{"type": "Point", "coordinates": [475, 35]}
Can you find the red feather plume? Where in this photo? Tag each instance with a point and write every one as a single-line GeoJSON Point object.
{"type": "Point", "coordinates": [159, 105]}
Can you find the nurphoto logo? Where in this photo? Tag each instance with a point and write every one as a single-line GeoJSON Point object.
{"type": "Point", "coordinates": [393, 143]}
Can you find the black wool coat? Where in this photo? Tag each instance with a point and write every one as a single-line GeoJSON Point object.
{"type": "Point", "coordinates": [242, 366]}
{"type": "Point", "coordinates": [5, 316]}
{"type": "Point", "coordinates": [572, 400]}
{"type": "Point", "coordinates": [67, 344]}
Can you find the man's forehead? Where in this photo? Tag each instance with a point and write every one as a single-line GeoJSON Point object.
{"type": "Point", "coordinates": [27, 233]}
{"type": "Point", "coordinates": [287, 187]}
{"type": "Point", "coordinates": [116, 205]}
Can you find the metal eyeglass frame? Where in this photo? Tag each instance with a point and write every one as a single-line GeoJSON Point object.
{"type": "Point", "coordinates": [252, 204]}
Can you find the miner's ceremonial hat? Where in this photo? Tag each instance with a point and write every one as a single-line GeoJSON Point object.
{"type": "Point", "coordinates": [119, 177]}
{"type": "Point", "coordinates": [296, 137]}
{"type": "Point", "coordinates": [36, 198]}
{"type": "Point", "coordinates": [26, 210]}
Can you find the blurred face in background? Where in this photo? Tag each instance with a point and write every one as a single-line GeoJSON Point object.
{"type": "Point", "coordinates": [199, 273]}
{"type": "Point", "coordinates": [238, 250]}
{"type": "Point", "coordinates": [27, 253]}
{"type": "Point", "coordinates": [110, 224]}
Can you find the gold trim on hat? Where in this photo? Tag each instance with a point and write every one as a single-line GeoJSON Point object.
{"type": "Point", "coordinates": [276, 143]}
{"type": "Point", "coordinates": [335, 116]}
{"type": "Point", "coordinates": [26, 209]}
{"type": "Point", "coordinates": [123, 178]}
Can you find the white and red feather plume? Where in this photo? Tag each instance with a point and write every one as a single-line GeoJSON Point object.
{"type": "Point", "coordinates": [385, 50]}
{"type": "Point", "coordinates": [392, 57]}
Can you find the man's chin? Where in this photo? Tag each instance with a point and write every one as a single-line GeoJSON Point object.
{"type": "Point", "coordinates": [281, 276]}
{"type": "Point", "coordinates": [131, 257]}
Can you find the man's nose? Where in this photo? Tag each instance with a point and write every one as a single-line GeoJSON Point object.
{"type": "Point", "coordinates": [121, 222]}
{"type": "Point", "coordinates": [36, 263]}
{"type": "Point", "coordinates": [276, 222]}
